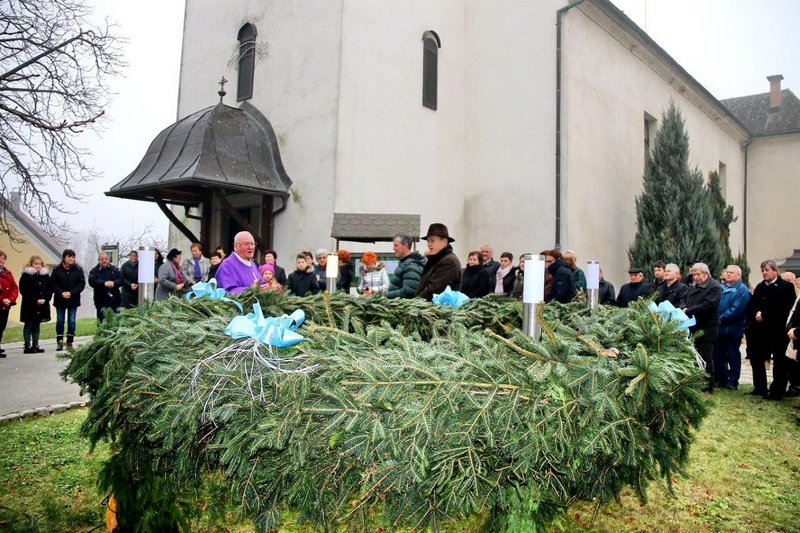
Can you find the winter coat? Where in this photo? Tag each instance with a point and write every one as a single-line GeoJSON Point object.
{"type": "Point", "coordinates": [129, 274]}
{"type": "Point", "coordinates": [774, 301]}
{"type": "Point", "coordinates": [475, 281]}
{"type": "Point", "coordinates": [563, 283]}
{"type": "Point", "coordinates": [579, 278]}
{"type": "Point", "coordinates": [188, 268]}
{"type": "Point", "coordinates": [733, 309]}
{"type": "Point", "coordinates": [403, 282]}
{"type": "Point", "coordinates": [508, 281]}
{"type": "Point", "coordinates": [491, 268]}
{"type": "Point", "coordinates": [8, 289]}
{"type": "Point", "coordinates": [35, 286]}
{"type": "Point", "coordinates": [376, 279]}
{"type": "Point", "coordinates": [441, 270]}
{"type": "Point", "coordinates": [606, 294]}
{"type": "Point", "coordinates": [674, 294]}
{"type": "Point", "coordinates": [633, 291]}
{"type": "Point", "coordinates": [167, 282]}
{"type": "Point", "coordinates": [67, 279]}
{"type": "Point", "coordinates": [702, 302]}
{"type": "Point", "coordinates": [319, 275]}
{"type": "Point", "coordinates": [303, 282]}
{"type": "Point", "coordinates": [345, 278]}
{"type": "Point", "coordinates": [105, 296]}
{"type": "Point", "coordinates": [280, 273]}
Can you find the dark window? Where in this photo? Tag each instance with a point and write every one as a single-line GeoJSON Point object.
{"type": "Point", "coordinates": [430, 67]}
{"type": "Point", "coordinates": [247, 62]}
{"type": "Point", "coordinates": [649, 133]}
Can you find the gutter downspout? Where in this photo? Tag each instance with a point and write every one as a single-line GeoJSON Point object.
{"type": "Point", "coordinates": [559, 14]}
{"type": "Point", "coordinates": [744, 203]}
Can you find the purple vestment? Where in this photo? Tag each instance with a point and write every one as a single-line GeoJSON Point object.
{"type": "Point", "coordinates": [234, 276]}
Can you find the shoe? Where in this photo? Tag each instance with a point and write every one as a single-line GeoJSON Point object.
{"type": "Point", "coordinates": [36, 349]}
{"type": "Point", "coordinates": [60, 347]}
{"type": "Point", "coordinates": [28, 349]}
{"type": "Point", "coordinates": [2, 355]}
{"type": "Point", "coordinates": [792, 393]}
{"type": "Point", "coordinates": [731, 386]}
{"type": "Point", "coordinates": [756, 393]}
{"type": "Point", "coordinates": [2, 350]}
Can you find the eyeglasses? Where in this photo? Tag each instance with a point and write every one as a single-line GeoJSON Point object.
{"type": "Point", "coordinates": [245, 243]}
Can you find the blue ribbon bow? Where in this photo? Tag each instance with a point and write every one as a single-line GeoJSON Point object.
{"type": "Point", "coordinates": [450, 297]}
{"type": "Point", "coordinates": [670, 312]}
{"type": "Point", "coordinates": [201, 289]}
{"type": "Point", "coordinates": [275, 331]}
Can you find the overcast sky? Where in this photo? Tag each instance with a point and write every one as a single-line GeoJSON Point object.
{"type": "Point", "coordinates": [729, 46]}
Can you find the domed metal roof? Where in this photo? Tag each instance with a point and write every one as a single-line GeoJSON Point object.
{"type": "Point", "coordinates": [219, 146]}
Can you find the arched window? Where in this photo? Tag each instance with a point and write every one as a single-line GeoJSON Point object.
{"type": "Point", "coordinates": [430, 68]}
{"type": "Point", "coordinates": [247, 62]}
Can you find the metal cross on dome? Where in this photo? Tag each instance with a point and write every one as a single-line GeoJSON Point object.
{"type": "Point", "coordinates": [221, 91]}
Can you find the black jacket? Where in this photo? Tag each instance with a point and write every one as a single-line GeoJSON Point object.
{"type": "Point", "coordinates": [702, 302]}
{"type": "Point", "coordinates": [105, 296]}
{"type": "Point", "coordinates": [67, 279]}
{"type": "Point", "coordinates": [675, 294]}
{"type": "Point", "coordinates": [774, 301]}
{"type": "Point", "coordinates": [563, 283]}
{"type": "Point", "coordinates": [301, 283]}
{"type": "Point", "coordinates": [491, 269]}
{"type": "Point", "coordinates": [34, 287]}
{"type": "Point", "coordinates": [633, 291]}
{"type": "Point", "coordinates": [345, 278]}
{"type": "Point", "coordinates": [606, 295]}
{"type": "Point", "coordinates": [128, 274]}
{"type": "Point", "coordinates": [475, 281]}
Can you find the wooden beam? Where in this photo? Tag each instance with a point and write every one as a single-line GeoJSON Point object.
{"type": "Point", "coordinates": [176, 221]}
{"type": "Point", "coordinates": [228, 207]}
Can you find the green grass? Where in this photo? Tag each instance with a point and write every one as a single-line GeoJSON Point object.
{"type": "Point", "coordinates": [744, 475]}
{"type": "Point", "coordinates": [85, 326]}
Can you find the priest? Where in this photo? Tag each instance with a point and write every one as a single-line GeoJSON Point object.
{"type": "Point", "coordinates": [238, 271]}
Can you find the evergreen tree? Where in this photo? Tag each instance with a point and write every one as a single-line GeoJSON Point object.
{"type": "Point", "coordinates": [723, 214]}
{"type": "Point", "coordinates": [675, 220]}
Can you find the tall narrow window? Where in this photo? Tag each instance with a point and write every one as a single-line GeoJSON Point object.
{"type": "Point", "coordinates": [430, 68]}
{"type": "Point", "coordinates": [723, 179]}
{"type": "Point", "coordinates": [649, 133]}
{"type": "Point", "coordinates": [247, 62]}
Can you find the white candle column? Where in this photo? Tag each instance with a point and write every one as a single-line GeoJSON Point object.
{"type": "Point", "coordinates": [592, 283]}
{"type": "Point", "coordinates": [532, 294]}
{"type": "Point", "coordinates": [146, 275]}
{"type": "Point", "coordinates": [332, 272]}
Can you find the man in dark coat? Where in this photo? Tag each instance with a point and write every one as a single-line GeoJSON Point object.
{"type": "Point", "coordinates": [104, 278]}
{"type": "Point", "coordinates": [702, 303]}
{"type": "Point", "coordinates": [403, 282]}
{"type": "Point", "coordinates": [443, 268]}
{"type": "Point", "coordinates": [606, 293]}
{"type": "Point", "coordinates": [637, 288]}
{"type": "Point", "coordinates": [68, 283]}
{"type": "Point", "coordinates": [671, 290]}
{"type": "Point", "coordinates": [489, 263]}
{"type": "Point", "coordinates": [732, 319]}
{"type": "Point", "coordinates": [766, 330]}
{"type": "Point", "coordinates": [563, 281]}
{"type": "Point", "coordinates": [129, 280]}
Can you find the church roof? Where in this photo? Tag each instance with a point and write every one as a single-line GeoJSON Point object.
{"type": "Point", "coordinates": [754, 112]}
{"type": "Point", "coordinates": [29, 230]}
{"type": "Point", "coordinates": [219, 146]}
{"type": "Point", "coordinates": [373, 227]}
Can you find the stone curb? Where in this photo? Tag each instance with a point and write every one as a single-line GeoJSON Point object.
{"type": "Point", "coordinates": [44, 411]}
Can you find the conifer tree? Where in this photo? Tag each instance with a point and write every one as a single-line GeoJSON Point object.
{"type": "Point", "coordinates": [723, 213]}
{"type": "Point", "coordinates": [674, 218]}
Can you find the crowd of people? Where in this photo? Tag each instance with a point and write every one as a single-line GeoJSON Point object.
{"type": "Point", "coordinates": [725, 311]}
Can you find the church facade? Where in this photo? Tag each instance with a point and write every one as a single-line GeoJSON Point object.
{"type": "Point", "coordinates": [519, 124]}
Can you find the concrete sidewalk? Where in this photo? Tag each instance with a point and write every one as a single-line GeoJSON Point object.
{"type": "Point", "coordinates": [31, 381]}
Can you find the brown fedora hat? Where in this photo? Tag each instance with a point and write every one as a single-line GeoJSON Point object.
{"type": "Point", "coordinates": [438, 230]}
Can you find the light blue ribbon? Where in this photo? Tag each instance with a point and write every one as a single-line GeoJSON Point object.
{"type": "Point", "coordinates": [670, 312]}
{"type": "Point", "coordinates": [450, 298]}
{"type": "Point", "coordinates": [275, 331]}
{"type": "Point", "coordinates": [201, 289]}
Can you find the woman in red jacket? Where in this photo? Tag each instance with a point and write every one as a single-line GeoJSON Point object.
{"type": "Point", "coordinates": [8, 295]}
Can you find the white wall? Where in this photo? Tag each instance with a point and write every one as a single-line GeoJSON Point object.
{"type": "Point", "coordinates": [773, 175]}
{"type": "Point", "coordinates": [607, 90]}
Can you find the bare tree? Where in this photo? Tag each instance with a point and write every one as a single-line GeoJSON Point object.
{"type": "Point", "coordinates": [53, 69]}
{"type": "Point", "coordinates": [90, 242]}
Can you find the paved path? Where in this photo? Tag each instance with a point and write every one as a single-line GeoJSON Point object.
{"type": "Point", "coordinates": [29, 381]}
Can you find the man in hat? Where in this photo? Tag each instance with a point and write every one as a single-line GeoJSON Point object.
{"type": "Point", "coordinates": [443, 268]}
{"type": "Point", "coordinates": [637, 288]}
{"type": "Point", "coordinates": [238, 272]}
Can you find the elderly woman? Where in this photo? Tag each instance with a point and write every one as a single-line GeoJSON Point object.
{"type": "Point", "coordinates": [475, 281]}
{"type": "Point", "coordinates": [36, 290]}
{"type": "Point", "coordinates": [443, 268]}
{"type": "Point", "coordinates": [171, 278]}
{"type": "Point", "coordinates": [374, 278]}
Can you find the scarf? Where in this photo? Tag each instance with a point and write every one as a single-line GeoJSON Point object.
{"type": "Point", "coordinates": [501, 273]}
{"type": "Point", "coordinates": [178, 272]}
{"type": "Point", "coordinates": [197, 274]}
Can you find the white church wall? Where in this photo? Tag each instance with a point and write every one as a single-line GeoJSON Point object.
{"type": "Point", "coordinates": [773, 174]}
{"type": "Point", "coordinates": [607, 91]}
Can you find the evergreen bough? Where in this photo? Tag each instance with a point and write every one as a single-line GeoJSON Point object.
{"type": "Point", "coordinates": [423, 413]}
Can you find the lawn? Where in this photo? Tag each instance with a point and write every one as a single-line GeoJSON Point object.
{"type": "Point", "coordinates": [85, 326]}
{"type": "Point", "coordinates": [744, 475]}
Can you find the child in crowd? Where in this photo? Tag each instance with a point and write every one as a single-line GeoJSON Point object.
{"type": "Point", "coordinates": [302, 281]}
{"type": "Point", "coordinates": [270, 283]}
